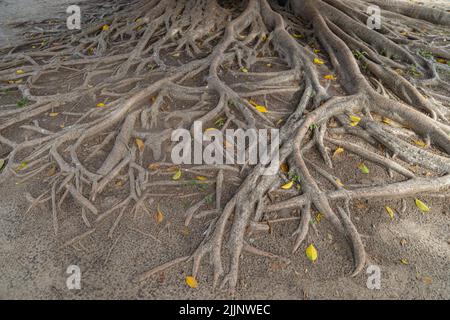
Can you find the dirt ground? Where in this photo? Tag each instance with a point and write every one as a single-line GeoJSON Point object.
{"type": "Point", "coordinates": [34, 264]}
{"type": "Point", "coordinates": [412, 250]}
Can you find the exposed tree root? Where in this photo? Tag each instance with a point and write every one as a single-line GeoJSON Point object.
{"type": "Point", "coordinates": [154, 53]}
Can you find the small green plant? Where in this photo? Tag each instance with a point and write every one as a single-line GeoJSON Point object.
{"type": "Point", "coordinates": [359, 55]}
{"type": "Point", "coordinates": [313, 127]}
{"type": "Point", "coordinates": [220, 122]}
{"type": "Point", "coordinates": [364, 65]}
{"type": "Point", "coordinates": [412, 70]}
{"type": "Point", "coordinates": [293, 176]}
{"type": "Point", "coordinates": [22, 102]}
{"type": "Point", "coordinates": [200, 185]}
{"type": "Point", "coordinates": [209, 199]}
{"type": "Point", "coordinates": [426, 54]}
{"type": "Point", "coordinates": [231, 103]}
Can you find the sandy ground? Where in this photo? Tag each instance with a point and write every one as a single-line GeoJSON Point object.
{"type": "Point", "coordinates": [33, 261]}
{"type": "Point", "coordinates": [34, 264]}
{"type": "Point", "coordinates": [16, 11]}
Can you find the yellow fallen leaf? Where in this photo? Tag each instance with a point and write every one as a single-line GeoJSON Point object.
{"type": "Point", "coordinates": [338, 151]}
{"type": "Point", "coordinates": [329, 77]}
{"type": "Point", "coordinates": [191, 282]}
{"type": "Point", "coordinates": [269, 65]}
{"type": "Point", "coordinates": [311, 253]}
{"type": "Point", "coordinates": [261, 109]}
{"type": "Point", "coordinates": [297, 35]}
{"type": "Point", "coordinates": [316, 51]}
{"type": "Point", "coordinates": [422, 206]}
{"type": "Point", "coordinates": [363, 168]}
{"type": "Point", "coordinates": [22, 165]}
{"type": "Point", "coordinates": [354, 118]}
{"type": "Point", "coordinates": [284, 167]}
{"type": "Point", "coordinates": [404, 261]}
{"type": "Point", "coordinates": [387, 120]}
{"type": "Point", "coordinates": [159, 215]}
{"type": "Point", "coordinates": [420, 143]}
{"type": "Point", "coordinates": [252, 102]}
{"type": "Point", "coordinates": [264, 37]}
{"type": "Point", "coordinates": [318, 61]}
{"type": "Point", "coordinates": [288, 185]}
{"type": "Point", "coordinates": [105, 27]}
{"type": "Point", "coordinates": [201, 178]}
{"type": "Point", "coordinates": [210, 129]}
{"type": "Point", "coordinates": [318, 217]}
{"type": "Point", "coordinates": [176, 54]}
{"type": "Point", "coordinates": [100, 105]}
{"type": "Point", "coordinates": [140, 144]}
{"type": "Point", "coordinates": [177, 175]}
{"type": "Point", "coordinates": [2, 163]}
{"type": "Point", "coordinates": [440, 60]}
{"type": "Point", "coordinates": [20, 71]}
{"type": "Point", "coordinates": [53, 114]}
{"type": "Point", "coordinates": [244, 70]}
{"type": "Point", "coordinates": [390, 211]}
{"type": "Point", "coordinates": [339, 182]}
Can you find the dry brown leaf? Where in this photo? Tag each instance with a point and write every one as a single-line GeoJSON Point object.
{"type": "Point", "coordinates": [140, 144]}
{"type": "Point", "coordinates": [51, 171]}
{"type": "Point", "coordinates": [159, 215]}
{"type": "Point", "coordinates": [284, 167]}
